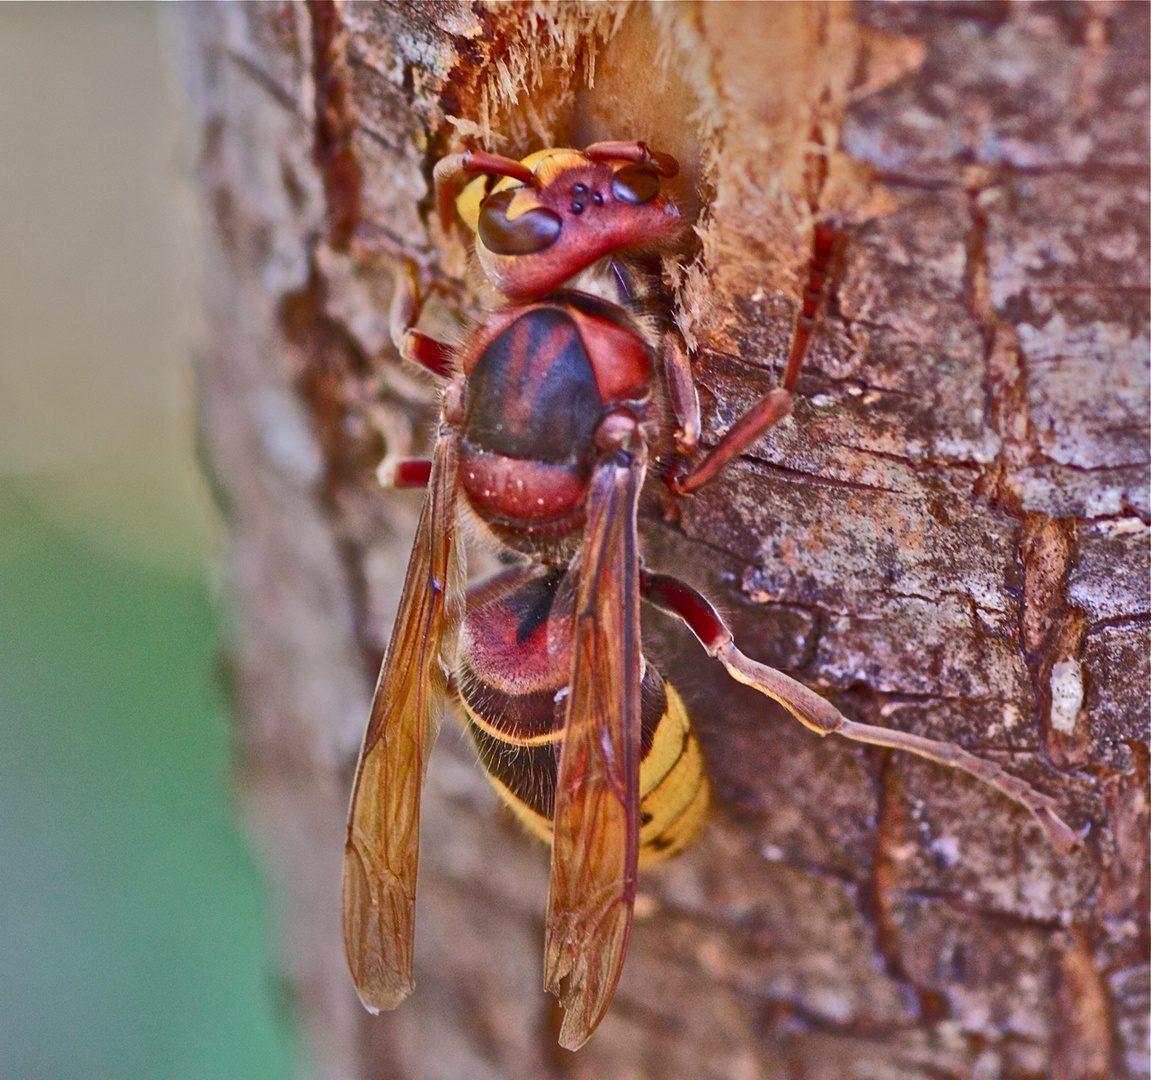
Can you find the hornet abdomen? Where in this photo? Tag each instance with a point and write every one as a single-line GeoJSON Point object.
{"type": "Point", "coordinates": [512, 672]}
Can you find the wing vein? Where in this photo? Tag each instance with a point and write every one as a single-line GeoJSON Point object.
{"type": "Point", "coordinates": [595, 848]}
{"type": "Point", "coordinates": [382, 849]}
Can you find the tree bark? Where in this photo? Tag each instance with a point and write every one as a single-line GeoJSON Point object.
{"type": "Point", "coordinates": [949, 536]}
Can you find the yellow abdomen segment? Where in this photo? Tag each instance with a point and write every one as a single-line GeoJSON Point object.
{"type": "Point", "coordinates": [672, 782]}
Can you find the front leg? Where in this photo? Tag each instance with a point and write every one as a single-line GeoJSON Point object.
{"type": "Point", "coordinates": [683, 394]}
{"type": "Point", "coordinates": [826, 252]}
{"type": "Point", "coordinates": [768, 411]}
{"type": "Point", "coordinates": [765, 413]}
{"type": "Point", "coordinates": [433, 355]}
{"type": "Point", "coordinates": [827, 249]}
{"type": "Point", "coordinates": [745, 432]}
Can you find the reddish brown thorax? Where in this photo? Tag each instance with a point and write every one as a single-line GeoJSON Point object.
{"type": "Point", "coordinates": [544, 380]}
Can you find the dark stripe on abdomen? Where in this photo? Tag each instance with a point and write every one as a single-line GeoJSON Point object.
{"type": "Point", "coordinates": [506, 729]}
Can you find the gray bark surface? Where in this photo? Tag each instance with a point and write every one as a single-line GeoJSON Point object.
{"type": "Point", "coordinates": [949, 536]}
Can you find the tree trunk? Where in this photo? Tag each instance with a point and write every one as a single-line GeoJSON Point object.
{"type": "Point", "coordinates": [949, 536]}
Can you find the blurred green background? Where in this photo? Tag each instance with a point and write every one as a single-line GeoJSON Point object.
{"type": "Point", "coordinates": [134, 939]}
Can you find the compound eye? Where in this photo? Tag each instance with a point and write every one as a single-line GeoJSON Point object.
{"type": "Point", "coordinates": [532, 231]}
{"type": "Point", "coordinates": [635, 184]}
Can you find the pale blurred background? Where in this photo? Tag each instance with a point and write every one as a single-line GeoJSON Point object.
{"type": "Point", "coordinates": [133, 934]}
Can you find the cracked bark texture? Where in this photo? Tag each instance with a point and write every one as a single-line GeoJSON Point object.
{"type": "Point", "coordinates": [949, 536]}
